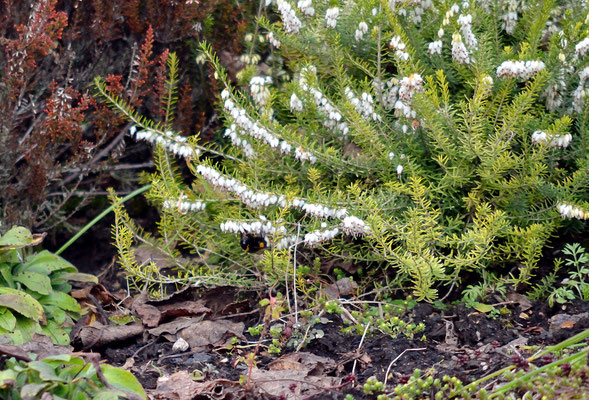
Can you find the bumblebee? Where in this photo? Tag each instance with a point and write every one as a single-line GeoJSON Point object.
{"type": "Point", "coordinates": [252, 243]}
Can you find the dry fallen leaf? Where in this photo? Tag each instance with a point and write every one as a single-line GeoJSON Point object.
{"type": "Point", "coordinates": [296, 375]}
{"type": "Point", "coordinates": [211, 333]}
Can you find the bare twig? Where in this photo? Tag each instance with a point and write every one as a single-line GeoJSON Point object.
{"type": "Point", "coordinates": [396, 359]}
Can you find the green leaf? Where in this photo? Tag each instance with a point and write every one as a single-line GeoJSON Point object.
{"type": "Point", "coordinates": [31, 390]}
{"type": "Point", "coordinates": [56, 314]}
{"type": "Point", "coordinates": [44, 263]}
{"type": "Point", "coordinates": [61, 300]}
{"type": "Point", "coordinates": [18, 237]}
{"type": "Point", "coordinates": [22, 302]}
{"type": "Point", "coordinates": [46, 371]}
{"type": "Point", "coordinates": [8, 321]}
{"type": "Point", "coordinates": [78, 277]}
{"type": "Point", "coordinates": [7, 378]}
{"type": "Point", "coordinates": [36, 282]}
{"type": "Point", "coordinates": [482, 307]}
{"type": "Point", "coordinates": [6, 271]}
{"type": "Point", "coordinates": [122, 379]}
{"type": "Point", "coordinates": [24, 331]}
{"type": "Point", "coordinates": [57, 333]}
{"type": "Point", "coordinates": [107, 395]}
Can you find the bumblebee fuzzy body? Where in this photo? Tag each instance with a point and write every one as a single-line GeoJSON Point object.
{"type": "Point", "coordinates": [253, 243]}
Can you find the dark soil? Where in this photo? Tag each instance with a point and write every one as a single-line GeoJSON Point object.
{"type": "Point", "coordinates": [478, 346]}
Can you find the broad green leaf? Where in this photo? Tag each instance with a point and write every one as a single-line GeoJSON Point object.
{"type": "Point", "coordinates": [9, 256]}
{"type": "Point", "coordinates": [56, 314]}
{"type": "Point", "coordinates": [46, 371]}
{"type": "Point", "coordinates": [31, 390]}
{"type": "Point", "coordinates": [25, 330]}
{"type": "Point", "coordinates": [6, 271]}
{"type": "Point", "coordinates": [57, 333]}
{"type": "Point", "coordinates": [61, 300]}
{"type": "Point", "coordinates": [22, 302]}
{"type": "Point", "coordinates": [122, 379]}
{"type": "Point", "coordinates": [44, 263]}
{"type": "Point", "coordinates": [59, 358]}
{"type": "Point", "coordinates": [18, 237]}
{"type": "Point", "coordinates": [107, 395]}
{"type": "Point", "coordinates": [7, 377]}
{"type": "Point", "coordinates": [8, 321]}
{"type": "Point", "coordinates": [78, 277]}
{"type": "Point", "coordinates": [482, 307]}
{"type": "Point", "coordinates": [36, 282]}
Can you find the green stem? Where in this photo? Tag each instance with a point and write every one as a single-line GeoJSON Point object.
{"type": "Point", "coordinates": [100, 216]}
{"type": "Point", "coordinates": [560, 346]}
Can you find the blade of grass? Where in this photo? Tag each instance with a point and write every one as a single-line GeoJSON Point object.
{"type": "Point", "coordinates": [100, 216]}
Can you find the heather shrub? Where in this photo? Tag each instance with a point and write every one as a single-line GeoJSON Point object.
{"type": "Point", "coordinates": [58, 146]}
{"type": "Point", "coordinates": [419, 141]}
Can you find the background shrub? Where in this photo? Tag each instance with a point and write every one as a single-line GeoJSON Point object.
{"type": "Point", "coordinates": [422, 142]}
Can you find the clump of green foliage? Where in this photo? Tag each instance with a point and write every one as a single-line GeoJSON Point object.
{"type": "Point", "coordinates": [34, 290]}
{"type": "Point", "coordinates": [67, 377]}
{"type": "Point", "coordinates": [431, 150]}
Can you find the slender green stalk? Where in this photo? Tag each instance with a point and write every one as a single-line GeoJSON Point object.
{"type": "Point", "coordinates": [100, 216]}
{"type": "Point", "coordinates": [516, 382]}
{"type": "Point", "coordinates": [560, 346]}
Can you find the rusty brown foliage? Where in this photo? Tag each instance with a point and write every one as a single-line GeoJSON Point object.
{"type": "Point", "coordinates": [58, 145]}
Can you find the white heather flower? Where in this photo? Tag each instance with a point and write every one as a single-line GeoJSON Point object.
{"type": "Point", "coordinates": [459, 52]}
{"type": "Point", "coordinates": [183, 205]}
{"type": "Point", "coordinates": [399, 170]}
{"type": "Point", "coordinates": [233, 133]}
{"type": "Point", "coordinates": [251, 128]}
{"type": "Point", "coordinates": [441, 33]}
{"type": "Point", "coordinates": [354, 226]}
{"type": "Point", "coordinates": [249, 197]}
{"type": "Point", "coordinates": [561, 141]}
{"type": "Point", "coordinates": [273, 40]}
{"type": "Point", "coordinates": [364, 105]}
{"type": "Point", "coordinates": [174, 143]}
{"type": "Point", "coordinates": [295, 103]}
{"type": "Point", "coordinates": [306, 7]}
{"type": "Point", "coordinates": [399, 47]}
{"type": "Point", "coordinates": [361, 31]}
{"type": "Point", "coordinates": [290, 21]}
{"type": "Point", "coordinates": [519, 69]}
{"type": "Point", "coordinates": [581, 91]}
{"type": "Point", "coordinates": [435, 47]}
{"type": "Point", "coordinates": [260, 92]}
{"type": "Point", "coordinates": [261, 227]}
{"type": "Point", "coordinates": [470, 39]}
{"type": "Point", "coordinates": [571, 211]}
{"type": "Point", "coordinates": [331, 17]}
{"type": "Point", "coordinates": [539, 137]}
{"type": "Point", "coordinates": [334, 118]}
{"type": "Point", "coordinates": [582, 47]}
{"type": "Point", "coordinates": [408, 86]}
{"type": "Point", "coordinates": [314, 238]}
{"type": "Point", "coordinates": [388, 93]}
{"type": "Point", "coordinates": [509, 21]}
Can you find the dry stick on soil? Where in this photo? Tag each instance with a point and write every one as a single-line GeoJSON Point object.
{"type": "Point", "coordinates": [396, 359]}
{"type": "Point", "coordinates": [359, 346]}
